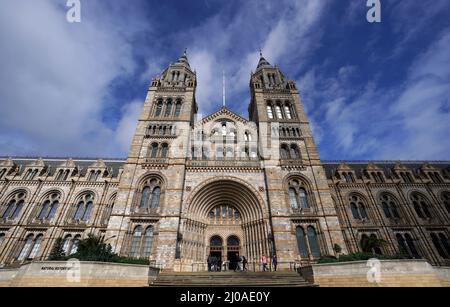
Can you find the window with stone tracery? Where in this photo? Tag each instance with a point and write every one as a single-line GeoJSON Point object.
{"type": "Point", "coordinates": [224, 215]}
{"type": "Point", "coordinates": [150, 195]}
{"type": "Point", "coordinates": [13, 207]}
{"type": "Point", "coordinates": [298, 197]}
{"type": "Point", "coordinates": [49, 206]}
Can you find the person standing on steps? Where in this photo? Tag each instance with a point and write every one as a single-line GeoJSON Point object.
{"type": "Point", "coordinates": [244, 264]}
{"type": "Point", "coordinates": [264, 262]}
{"type": "Point", "coordinates": [274, 262]}
{"type": "Point", "coordinates": [209, 263]}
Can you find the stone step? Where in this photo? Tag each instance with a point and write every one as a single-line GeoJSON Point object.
{"type": "Point", "coordinates": [238, 279]}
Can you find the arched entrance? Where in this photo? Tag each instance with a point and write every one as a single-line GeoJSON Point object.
{"type": "Point", "coordinates": [233, 249]}
{"type": "Point", "coordinates": [232, 210]}
{"type": "Point", "coordinates": [216, 248]}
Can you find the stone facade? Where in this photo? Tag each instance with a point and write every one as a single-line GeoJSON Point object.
{"type": "Point", "coordinates": [224, 185]}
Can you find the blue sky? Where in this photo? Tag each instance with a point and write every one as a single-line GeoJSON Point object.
{"type": "Point", "coordinates": [371, 91]}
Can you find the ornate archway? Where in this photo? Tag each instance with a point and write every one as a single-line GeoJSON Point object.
{"type": "Point", "coordinates": [229, 208]}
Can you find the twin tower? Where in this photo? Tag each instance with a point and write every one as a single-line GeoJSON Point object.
{"type": "Point", "coordinates": [223, 185]}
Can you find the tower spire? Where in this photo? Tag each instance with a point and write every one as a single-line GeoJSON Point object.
{"type": "Point", "coordinates": [223, 89]}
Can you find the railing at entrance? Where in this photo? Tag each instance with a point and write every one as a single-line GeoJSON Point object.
{"type": "Point", "coordinates": [252, 266]}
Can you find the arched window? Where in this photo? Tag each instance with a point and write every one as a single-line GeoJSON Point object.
{"type": "Point", "coordinates": [43, 213]}
{"type": "Point", "coordinates": [278, 111]}
{"type": "Point", "coordinates": [284, 152]}
{"type": "Point", "coordinates": [148, 241]}
{"type": "Point", "coordinates": [293, 198]}
{"type": "Point", "coordinates": [421, 205]}
{"type": "Point", "coordinates": [224, 215]}
{"type": "Point", "coordinates": [2, 238]}
{"type": "Point", "coordinates": [230, 153]}
{"type": "Point", "coordinates": [298, 197]}
{"type": "Point", "coordinates": [303, 199]}
{"type": "Point", "coordinates": [49, 207]}
{"type": "Point", "coordinates": [376, 249]}
{"type": "Point", "coordinates": [445, 244]}
{"type": "Point", "coordinates": [178, 109]}
{"type": "Point", "coordinates": [14, 206]}
{"type": "Point", "coordinates": [389, 205]}
{"type": "Point", "coordinates": [437, 244]}
{"type": "Point", "coordinates": [159, 106]}
{"type": "Point", "coordinates": [36, 247]}
{"type": "Point", "coordinates": [145, 197]}
{"type": "Point", "coordinates": [66, 244]}
{"type": "Point", "coordinates": [79, 211]}
{"type": "Point", "coordinates": [301, 242]}
{"type": "Point", "coordinates": [31, 247]}
{"type": "Point", "coordinates": [108, 211]}
{"type": "Point", "coordinates": [357, 207]}
{"type": "Point", "coordinates": [66, 175]}
{"type": "Point", "coordinates": [91, 176]}
{"type": "Point", "coordinates": [26, 248]}
{"type": "Point", "coordinates": [205, 153]}
{"type": "Point", "coordinates": [355, 211]}
{"type": "Point", "coordinates": [75, 243]}
{"type": "Point", "coordinates": [287, 111]}
{"type": "Point", "coordinates": [386, 210]}
{"type": "Point", "coordinates": [313, 244]}
{"type": "Point", "coordinates": [155, 198]}
{"type": "Point", "coordinates": [402, 244]}
{"type": "Point", "coordinates": [407, 246]}
{"type": "Point", "coordinates": [151, 194]}
{"type": "Point", "coordinates": [84, 208]}
{"type": "Point", "coordinates": [446, 200]}
{"type": "Point", "coordinates": [269, 111]}
{"type": "Point", "coordinates": [18, 209]}
{"type": "Point", "coordinates": [411, 246]}
{"type": "Point", "coordinates": [165, 150]}
{"type": "Point", "coordinates": [88, 211]}
{"type": "Point", "coordinates": [2, 173]}
{"type": "Point", "coordinates": [215, 241]}
{"type": "Point", "coordinates": [232, 241]}
{"type": "Point", "coordinates": [154, 150]}
{"type": "Point", "coordinates": [59, 176]}
{"type": "Point", "coordinates": [294, 152]}
{"type": "Point", "coordinates": [168, 108]}
{"type": "Point", "coordinates": [247, 137]}
{"type": "Point", "coordinates": [136, 242]}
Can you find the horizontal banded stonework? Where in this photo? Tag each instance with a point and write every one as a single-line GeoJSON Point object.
{"type": "Point", "coordinates": [393, 273]}
{"type": "Point", "coordinates": [66, 274]}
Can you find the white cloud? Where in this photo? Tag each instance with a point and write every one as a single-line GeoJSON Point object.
{"type": "Point", "coordinates": [55, 76]}
{"type": "Point", "coordinates": [127, 124]}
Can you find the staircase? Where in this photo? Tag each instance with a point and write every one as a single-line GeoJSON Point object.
{"type": "Point", "coordinates": [230, 279]}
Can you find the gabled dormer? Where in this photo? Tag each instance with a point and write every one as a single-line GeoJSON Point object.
{"type": "Point", "coordinates": [66, 170]}
{"type": "Point", "coordinates": [96, 171]}
{"type": "Point", "coordinates": [374, 173]}
{"type": "Point", "coordinates": [34, 170]}
{"type": "Point", "coordinates": [345, 173]}
{"type": "Point", "coordinates": [7, 167]}
{"type": "Point", "coordinates": [431, 174]}
{"type": "Point", "coordinates": [402, 173]}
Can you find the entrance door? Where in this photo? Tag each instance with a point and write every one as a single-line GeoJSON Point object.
{"type": "Point", "coordinates": [215, 251]}
{"type": "Point", "coordinates": [233, 251]}
{"type": "Point", "coordinates": [233, 258]}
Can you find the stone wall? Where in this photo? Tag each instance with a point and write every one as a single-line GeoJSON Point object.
{"type": "Point", "coordinates": [66, 274]}
{"type": "Point", "coordinates": [394, 273]}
